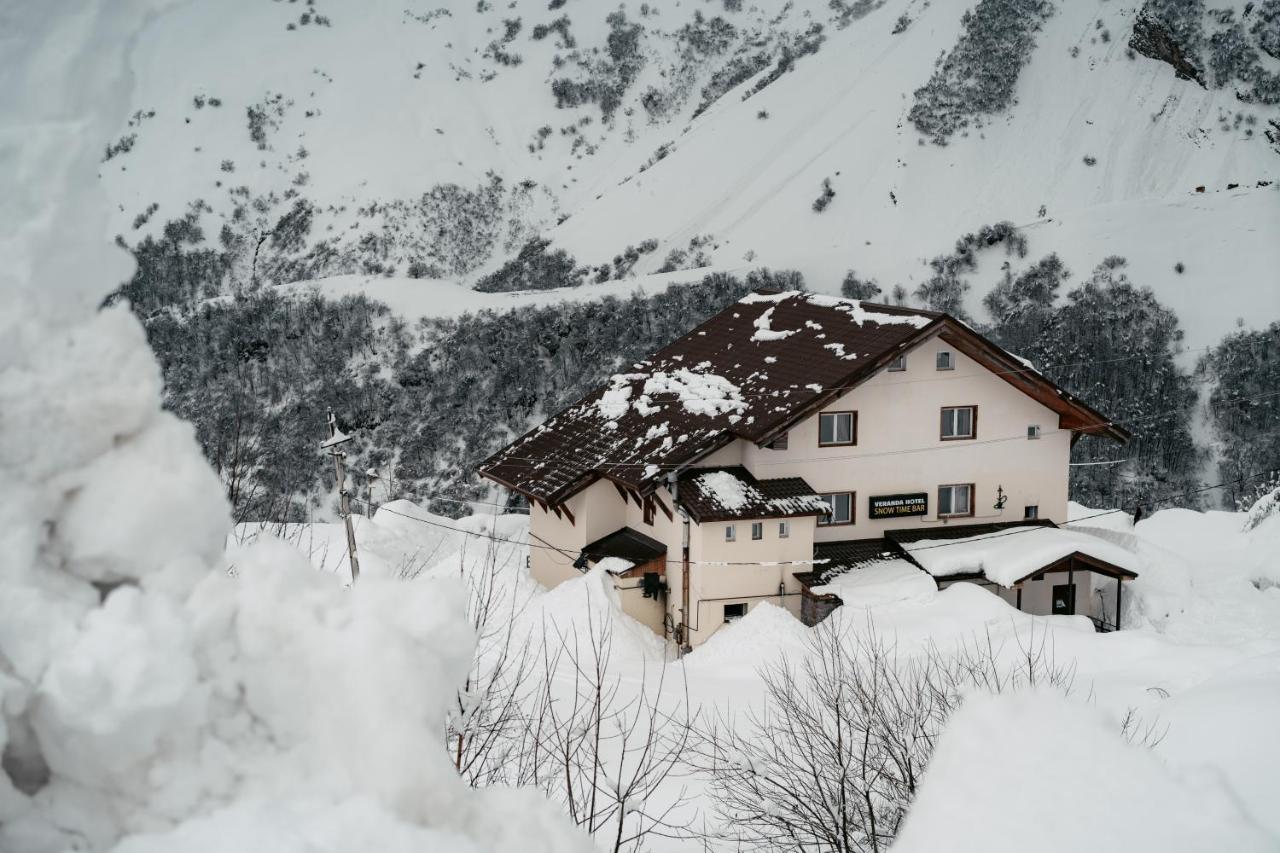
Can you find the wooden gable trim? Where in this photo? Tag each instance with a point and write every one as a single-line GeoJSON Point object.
{"type": "Point", "coordinates": [1079, 561]}
{"type": "Point", "coordinates": [573, 521]}
{"type": "Point", "coordinates": [621, 491]}
{"type": "Point", "coordinates": [1073, 413]}
{"type": "Point", "coordinates": [665, 510]}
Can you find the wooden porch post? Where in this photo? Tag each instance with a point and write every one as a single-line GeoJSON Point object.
{"type": "Point", "coordinates": [1071, 584]}
{"type": "Point", "coordinates": [1119, 590]}
{"type": "Point", "coordinates": [1019, 605]}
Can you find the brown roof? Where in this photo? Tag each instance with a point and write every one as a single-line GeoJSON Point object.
{"type": "Point", "coordinates": [625, 544]}
{"type": "Point", "coordinates": [724, 494]}
{"type": "Point", "coordinates": [751, 371]}
{"type": "Point", "coordinates": [846, 555]}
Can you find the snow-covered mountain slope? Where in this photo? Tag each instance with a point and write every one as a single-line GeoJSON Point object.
{"type": "Point", "coordinates": [435, 139]}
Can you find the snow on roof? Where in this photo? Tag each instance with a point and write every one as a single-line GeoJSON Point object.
{"type": "Point", "coordinates": [1007, 556]}
{"type": "Point", "coordinates": [615, 565]}
{"type": "Point", "coordinates": [744, 372]}
{"type": "Point", "coordinates": [880, 583]}
{"type": "Point", "coordinates": [723, 494]}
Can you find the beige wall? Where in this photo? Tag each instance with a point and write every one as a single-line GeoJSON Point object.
{"type": "Point", "coordinates": [1037, 595]}
{"type": "Point", "coordinates": [713, 586]}
{"type": "Point", "coordinates": [900, 411]}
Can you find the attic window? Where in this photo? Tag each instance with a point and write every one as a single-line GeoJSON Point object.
{"type": "Point", "coordinates": [898, 365]}
{"type": "Point", "coordinates": [946, 361]}
{"type": "Point", "coordinates": [1033, 431]}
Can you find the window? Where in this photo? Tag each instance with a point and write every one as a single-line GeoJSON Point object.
{"type": "Point", "coordinates": [734, 611]}
{"type": "Point", "coordinates": [946, 361]}
{"type": "Point", "coordinates": [1031, 511]}
{"type": "Point", "coordinates": [959, 422]}
{"type": "Point", "coordinates": [648, 510]}
{"type": "Point", "coordinates": [1064, 599]}
{"type": "Point", "coordinates": [784, 529]}
{"type": "Point", "coordinates": [1033, 431]}
{"type": "Point", "coordinates": [841, 504]}
{"type": "Point", "coordinates": [730, 533]}
{"type": "Point", "coordinates": [955, 500]}
{"type": "Point", "coordinates": [779, 443]}
{"type": "Point", "coordinates": [757, 530]}
{"type": "Point", "coordinates": [836, 428]}
{"type": "Point", "coordinates": [898, 364]}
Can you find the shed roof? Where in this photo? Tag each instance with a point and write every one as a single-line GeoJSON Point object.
{"type": "Point", "coordinates": [1011, 555]}
{"type": "Point", "coordinates": [625, 544]}
{"type": "Point", "coordinates": [724, 494]}
{"type": "Point", "coordinates": [751, 371]}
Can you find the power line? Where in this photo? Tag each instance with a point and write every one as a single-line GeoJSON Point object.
{"type": "Point", "coordinates": [905, 450]}
{"type": "Point", "coordinates": [1014, 531]}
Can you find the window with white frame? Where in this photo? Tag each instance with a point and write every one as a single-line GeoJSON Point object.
{"type": "Point", "coordinates": [730, 533]}
{"type": "Point", "coordinates": [734, 612]}
{"type": "Point", "coordinates": [1031, 511]}
{"type": "Point", "coordinates": [841, 504]}
{"type": "Point", "coordinates": [837, 428]}
{"type": "Point", "coordinates": [784, 529]}
{"type": "Point", "coordinates": [955, 500]}
{"type": "Point", "coordinates": [757, 530]}
{"type": "Point", "coordinates": [946, 360]}
{"type": "Point", "coordinates": [959, 422]}
{"type": "Point", "coordinates": [1033, 431]}
{"type": "Point", "coordinates": [898, 364]}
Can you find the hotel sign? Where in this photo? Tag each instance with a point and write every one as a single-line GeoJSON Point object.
{"type": "Point", "coordinates": [898, 506]}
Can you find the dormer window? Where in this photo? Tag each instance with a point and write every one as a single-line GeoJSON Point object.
{"type": "Point", "coordinates": [898, 365]}
{"type": "Point", "coordinates": [946, 360]}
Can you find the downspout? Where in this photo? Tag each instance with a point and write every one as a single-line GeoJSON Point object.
{"type": "Point", "coordinates": [682, 630]}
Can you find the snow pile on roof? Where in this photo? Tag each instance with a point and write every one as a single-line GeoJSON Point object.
{"type": "Point", "coordinates": [188, 702]}
{"type": "Point", "coordinates": [765, 331]}
{"type": "Point", "coordinates": [615, 565]}
{"type": "Point", "coordinates": [998, 784]}
{"type": "Point", "coordinates": [700, 392]}
{"type": "Point", "coordinates": [1007, 556]}
{"type": "Point", "coordinates": [735, 491]}
{"type": "Point", "coordinates": [881, 583]}
{"type": "Point", "coordinates": [860, 315]}
{"type": "Point", "coordinates": [727, 490]}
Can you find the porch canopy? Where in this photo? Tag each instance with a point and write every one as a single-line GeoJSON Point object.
{"type": "Point", "coordinates": [1009, 555]}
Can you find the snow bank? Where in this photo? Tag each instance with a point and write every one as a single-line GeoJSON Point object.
{"type": "Point", "coordinates": [1007, 556]}
{"type": "Point", "coordinates": [151, 696]}
{"type": "Point", "coordinates": [766, 632]}
{"type": "Point", "coordinates": [1035, 772]}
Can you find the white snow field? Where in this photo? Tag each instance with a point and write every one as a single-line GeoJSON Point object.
{"type": "Point", "coordinates": [1198, 664]}
{"type": "Point", "coordinates": [151, 697]}
{"type": "Point", "coordinates": [394, 98]}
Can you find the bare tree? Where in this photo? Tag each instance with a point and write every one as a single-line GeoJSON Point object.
{"type": "Point", "coordinates": [834, 758]}
{"type": "Point", "coordinates": [603, 754]}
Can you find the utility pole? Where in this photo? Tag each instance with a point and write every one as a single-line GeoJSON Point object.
{"type": "Point", "coordinates": [333, 445]}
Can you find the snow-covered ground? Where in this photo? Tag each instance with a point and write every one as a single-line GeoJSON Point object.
{"type": "Point", "coordinates": [380, 105]}
{"type": "Point", "coordinates": [1198, 664]}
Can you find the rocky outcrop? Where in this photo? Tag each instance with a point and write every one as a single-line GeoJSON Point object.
{"type": "Point", "coordinates": [1155, 40]}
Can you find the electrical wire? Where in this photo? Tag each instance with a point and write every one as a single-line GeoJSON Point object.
{"type": "Point", "coordinates": [1014, 531]}
{"type": "Point", "coordinates": [909, 450]}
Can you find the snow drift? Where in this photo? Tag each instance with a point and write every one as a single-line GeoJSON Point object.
{"type": "Point", "coordinates": [151, 696]}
